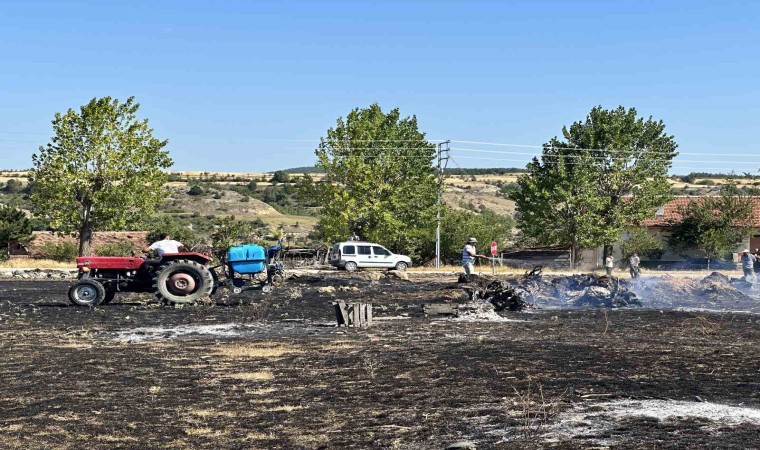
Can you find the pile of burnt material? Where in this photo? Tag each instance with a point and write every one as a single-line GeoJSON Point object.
{"type": "Point", "coordinates": [715, 291]}
{"type": "Point", "coordinates": [533, 289]}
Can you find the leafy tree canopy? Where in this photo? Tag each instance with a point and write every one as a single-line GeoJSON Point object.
{"type": "Point", "coordinates": [639, 241]}
{"type": "Point", "coordinates": [606, 174]}
{"type": "Point", "coordinates": [102, 169]}
{"type": "Point", "coordinates": [714, 226]}
{"type": "Point", "coordinates": [487, 226]}
{"type": "Point", "coordinates": [14, 226]}
{"type": "Point", "coordinates": [380, 181]}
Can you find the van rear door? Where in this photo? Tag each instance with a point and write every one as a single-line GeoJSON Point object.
{"type": "Point", "coordinates": [335, 254]}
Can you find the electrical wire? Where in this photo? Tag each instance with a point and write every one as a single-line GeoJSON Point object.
{"type": "Point", "coordinates": [606, 158]}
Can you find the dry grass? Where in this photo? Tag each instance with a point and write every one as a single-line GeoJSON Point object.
{"type": "Point", "coordinates": [284, 408]}
{"type": "Point", "coordinates": [262, 391]}
{"type": "Point", "coordinates": [263, 351]}
{"type": "Point", "coordinates": [339, 346]}
{"type": "Point", "coordinates": [209, 412]}
{"type": "Point", "coordinates": [203, 431]}
{"type": "Point", "coordinates": [536, 411]}
{"type": "Point", "coordinates": [262, 375]}
{"type": "Point", "coordinates": [260, 436]}
{"type": "Point", "coordinates": [36, 264]}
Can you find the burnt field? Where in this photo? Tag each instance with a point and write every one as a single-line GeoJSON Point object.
{"type": "Point", "coordinates": [270, 372]}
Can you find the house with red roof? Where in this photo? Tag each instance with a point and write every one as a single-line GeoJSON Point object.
{"type": "Point", "coordinates": [659, 227]}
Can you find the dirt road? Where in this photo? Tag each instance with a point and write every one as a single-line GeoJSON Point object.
{"type": "Point", "coordinates": [267, 372]}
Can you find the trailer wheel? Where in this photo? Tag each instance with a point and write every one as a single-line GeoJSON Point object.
{"type": "Point", "coordinates": [87, 293]}
{"type": "Point", "coordinates": [182, 281]}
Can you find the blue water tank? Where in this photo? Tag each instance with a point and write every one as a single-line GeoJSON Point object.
{"type": "Point", "coordinates": [247, 259]}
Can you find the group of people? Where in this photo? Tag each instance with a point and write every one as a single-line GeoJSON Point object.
{"type": "Point", "coordinates": [633, 265]}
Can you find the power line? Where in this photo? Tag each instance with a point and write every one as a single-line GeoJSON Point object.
{"type": "Point", "coordinates": [609, 151]}
{"type": "Point", "coordinates": [603, 158]}
{"type": "Point", "coordinates": [585, 163]}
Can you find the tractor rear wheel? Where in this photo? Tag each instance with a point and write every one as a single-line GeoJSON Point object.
{"type": "Point", "coordinates": [182, 281]}
{"type": "Point", "coordinates": [87, 293]}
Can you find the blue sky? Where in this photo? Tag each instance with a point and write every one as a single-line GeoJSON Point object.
{"type": "Point", "coordinates": [250, 86]}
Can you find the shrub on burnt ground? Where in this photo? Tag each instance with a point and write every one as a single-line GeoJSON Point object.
{"type": "Point", "coordinates": [122, 248]}
{"type": "Point", "coordinates": [62, 251]}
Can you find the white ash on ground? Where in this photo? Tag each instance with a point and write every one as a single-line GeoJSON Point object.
{"type": "Point", "coordinates": [597, 419]}
{"type": "Point", "coordinates": [478, 311]}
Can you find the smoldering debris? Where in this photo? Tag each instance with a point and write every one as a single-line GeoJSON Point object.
{"type": "Point", "coordinates": [534, 290]}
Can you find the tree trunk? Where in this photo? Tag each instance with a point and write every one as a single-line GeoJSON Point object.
{"type": "Point", "coordinates": [607, 250]}
{"type": "Point", "coordinates": [85, 240]}
{"type": "Point", "coordinates": [574, 250]}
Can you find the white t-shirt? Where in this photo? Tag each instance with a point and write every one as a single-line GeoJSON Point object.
{"type": "Point", "coordinates": [609, 262]}
{"type": "Point", "coordinates": [165, 246]}
{"type": "Point", "coordinates": [467, 254]}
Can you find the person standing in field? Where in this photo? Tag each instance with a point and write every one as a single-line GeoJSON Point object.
{"type": "Point", "coordinates": [635, 261]}
{"type": "Point", "coordinates": [609, 263]}
{"type": "Point", "coordinates": [469, 253]}
{"type": "Point", "coordinates": [748, 266]}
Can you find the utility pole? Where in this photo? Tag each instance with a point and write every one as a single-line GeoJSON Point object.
{"type": "Point", "coordinates": [443, 161]}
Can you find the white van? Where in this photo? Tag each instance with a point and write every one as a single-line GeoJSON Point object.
{"type": "Point", "coordinates": [352, 255]}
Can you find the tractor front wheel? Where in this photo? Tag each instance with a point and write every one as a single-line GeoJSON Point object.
{"type": "Point", "coordinates": [87, 293]}
{"type": "Point", "coordinates": [182, 281]}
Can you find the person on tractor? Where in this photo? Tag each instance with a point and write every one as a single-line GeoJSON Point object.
{"type": "Point", "coordinates": [165, 245]}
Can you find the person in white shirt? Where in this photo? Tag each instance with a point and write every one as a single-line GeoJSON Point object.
{"type": "Point", "coordinates": [165, 245]}
{"type": "Point", "coordinates": [609, 263]}
{"type": "Point", "coordinates": [468, 256]}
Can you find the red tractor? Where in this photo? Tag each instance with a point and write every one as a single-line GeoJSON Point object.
{"type": "Point", "coordinates": [174, 278]}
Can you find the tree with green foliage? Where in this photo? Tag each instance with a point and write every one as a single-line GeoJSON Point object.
{"type": "Point", "coordinates": [101, 171]}
{"type": "Point", "coordinates": [458, 226]}
{"type": "Point", "coordinates": [160, 225]}
{"type": "Point", "coordinates": [639, 241]}
{"type": "Point", "coordinates": [714, 226]}
{"type": "Point", "coordinates": [229, 232]}
{"type": "Point", "coordinates": [14, 226]}
{"type": "Point", "coordinates": [607, 174]}
{"type": "Point", "coordinates": [380, 182]}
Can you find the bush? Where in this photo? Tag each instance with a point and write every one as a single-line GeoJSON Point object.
{"type": "Point", "coordinates": [63, 251]}
{"type": "Point", "coordinates": [195, 190]}
{"type": "Point", "coordinates": [707, 182]}
{"type": "Point", "coordinates": [280, 177]}
{"type": "Point", "coordinates": [122, 248]}
{"type": "Point", "coordinates": [13, 186]}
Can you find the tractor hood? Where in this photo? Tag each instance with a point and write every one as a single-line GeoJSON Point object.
{"type": "Point", "coordinates": [109, 262]}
